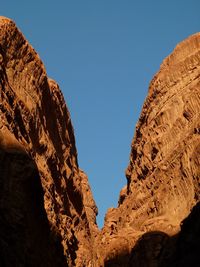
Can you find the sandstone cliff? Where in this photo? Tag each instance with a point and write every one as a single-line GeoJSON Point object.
{"type": "Point", "coordinates": [44, 212]}
{"type": "Point", "coordinates": [163, 176]}
{"type": "Point", "coordinates": [47, 212]}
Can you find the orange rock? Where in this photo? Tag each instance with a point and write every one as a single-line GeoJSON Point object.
{"type": "Point", "coordinates": [164, 170]}
{"type": "Point", "coordinates": [35, 120]}
{"type": "Point", "coordinates": [47, 211]}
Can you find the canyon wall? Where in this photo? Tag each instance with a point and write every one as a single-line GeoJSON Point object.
{"type": "Point", "coordinates": [47, 212]}
{"type": "Point", "coordinates": [163, 176]}
{"type": "Point", "coordinates": [46, 219]}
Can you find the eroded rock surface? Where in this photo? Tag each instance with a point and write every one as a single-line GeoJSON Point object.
{"type": "Point", "coordinates": [41, 200]}
{"type": "Point", "coordinates": [47, 212]}
{"type": "Point", "coordinates": [164, 171]}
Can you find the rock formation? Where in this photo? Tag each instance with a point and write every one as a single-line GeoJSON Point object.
{"type": "Point", "coordinates": [47, 212]}
{"type": "Point", "coordinates": [163, 176]}
{"type": "Point", "coordinates": [43, 208]}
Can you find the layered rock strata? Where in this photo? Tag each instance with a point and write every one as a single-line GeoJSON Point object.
{"type": "Point", "coordinates": [43, 207]}
{"type": "Point", "coordinates": [163, 176]}
{"type": "Point", "coordinates": [47, 212]}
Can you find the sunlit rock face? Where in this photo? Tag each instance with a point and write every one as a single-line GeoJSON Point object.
{"type": "Point", "coordinates": [164, 171]}
{"type": "Point", "coordinates": [41, 200]}
{"type": "Point", "coordinates": [47, 212]}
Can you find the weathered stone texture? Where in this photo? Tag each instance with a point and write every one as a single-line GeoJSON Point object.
{"type": "Point", "coordinates": [35, 127]}
{"type": "Point", "coordinates": [164, 171]}
{"type": "Point", "coordinates": [46, 204]}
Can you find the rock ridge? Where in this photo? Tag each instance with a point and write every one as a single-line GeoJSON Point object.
{"type": "Point", "coordinates": [36, 121]}
{"type": "Point", "coordinates": [163, 176]}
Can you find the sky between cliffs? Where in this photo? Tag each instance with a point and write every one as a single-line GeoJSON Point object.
{"type": "Point", "coordinates": [103, 54]}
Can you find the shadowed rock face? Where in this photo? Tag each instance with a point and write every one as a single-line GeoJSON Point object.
{"type": "Point", "coordinates": [46, 205]}
{"type": "Point", "coordinates": [25, 234]}
{"type": "Point", "coordinates": [164, 170]}
{"type": "Point", "coordinates": [35, 121]}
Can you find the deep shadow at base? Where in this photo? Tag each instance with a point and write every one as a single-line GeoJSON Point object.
{"type": "Point", "coordinates": [157, 249]}
{"type": "Point", "coordinates": [26, 238]}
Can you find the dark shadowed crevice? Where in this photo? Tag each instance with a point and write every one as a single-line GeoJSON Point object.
{"type": "Point", "coordinates": [160, 250]}
{"type": "Point", "coordinates": [26, 238]}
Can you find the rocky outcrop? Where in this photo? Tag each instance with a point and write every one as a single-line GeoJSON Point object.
{"type": "Point", "coordinates": [164, 171]}
{"type": "Point", "coordinates": [47, 212]}
{"type": "Point", "coordinates": [44, 210]}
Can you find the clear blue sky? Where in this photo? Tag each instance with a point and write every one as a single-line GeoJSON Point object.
{"type": "Point", "coordinates": [103, 54]}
